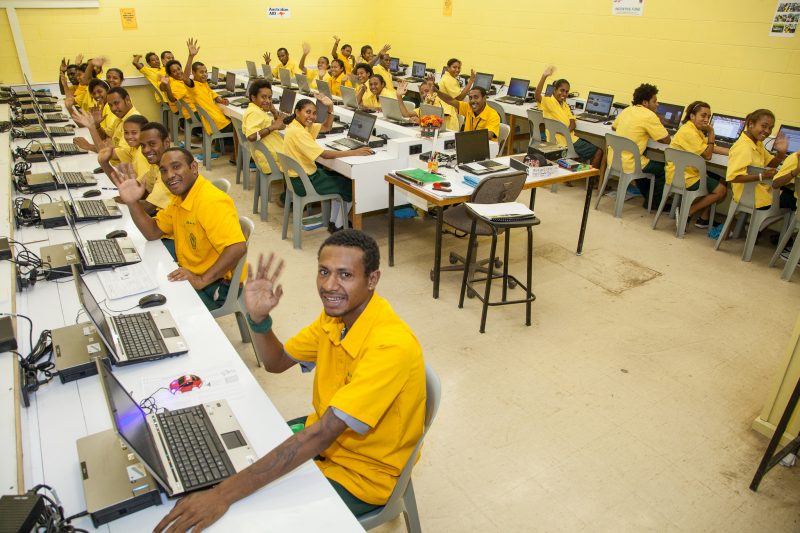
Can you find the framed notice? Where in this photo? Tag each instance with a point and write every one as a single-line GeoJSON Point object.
{"type": "Point", "coordinates": [628, 8]}
{"type": "Point", "coordinates": [784, 23]}
{"type": "Point", "coordinates": [128, 17]}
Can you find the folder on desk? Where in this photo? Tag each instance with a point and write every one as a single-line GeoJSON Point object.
{"type": "Point", "coordinates": [502, 212]}
{"type": "Point", "coordinates": [417, 175]}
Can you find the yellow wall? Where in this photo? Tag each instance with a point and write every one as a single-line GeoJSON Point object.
{"type": "Point", "coordinates": [10, 71]}
{"type": "Point", "coordinates": [716, 50]}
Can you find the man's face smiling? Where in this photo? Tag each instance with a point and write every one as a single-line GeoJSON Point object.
{"type": "Point", "coordinates": [118, 105]}
{"type": "Point", "coordinates": [152, 146]}
{"type": "Point", "coordinates": [476, 101]}
{"type": "Point", "coordinates": [344, 288]}
{"type": "Point", "coordinates": [177, 174]}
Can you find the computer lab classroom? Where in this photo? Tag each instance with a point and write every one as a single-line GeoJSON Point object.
{"type": "Point", "coordinates": [599, 355]}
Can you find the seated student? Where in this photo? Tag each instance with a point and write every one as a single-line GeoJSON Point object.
{"type": "Point", "coordinates": [337, 77]}
{"type": "Point", "coordinates": [283, 62]}
{"type": "Point", "coordinates": [204, 96]}
{"type": "Point", "coordinates": [346, 55]}
{"type": "Point", "coordinates": [367, 56]}
{"type": "Point", "coordinates": [784, 178]}
{"type": "Point", "coordinates": [114, 77]}
{"type": "Point", "coordinates": [381, 68]}
{"type": "Point", "coordinates": [153, 72]}
{"type": "Point", "coordinates": [697, 136]}
{"type": "Point", "coordinates": [70, 73]}
{"type": "Point", "coordinates": [321, 73]}
{"type": "Point", "coordinates": [261, 122]}
{"type": "Point", "coordinates": [299, 143]}
{"type": "Point", "coordinates": [640, 123]}
{"type": "Point", "coordinates": [478, 114]}
{"type": "Point", "coordinates": [81, 91]}
{"type": "Point", "coordinates": [363, 73]}
{"type": "Point", "coordinates": [377, 87]}
{"type": "Point", "coordinates": [748, 150]}
{"type": "Point", "coordinates": [555, 107]}
{"type": "Point", "coordinates": [369, 389]}
{"type": "Point", "coordinates": [102, 118]}
{"type": "Point", "coordinates": [119, 103]}
{"type": "Point", "coordinates": [175, 89]}
{"type": "Point", "coordinates": [203, 220]}
{"type": "Point", "coordinates": [427, 94]}
{"type": "Point", "coordinates": [449, 84]}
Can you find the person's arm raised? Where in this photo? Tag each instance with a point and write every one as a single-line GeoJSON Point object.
{"type": "Point", "coordinates": [194, 49]}
{"type": "Point", "coordinates": [546, 74]}
{"type": "Point", "coordinates": [467, 86]}
{"type": "Point", "coordinates": [335, 49]}
{"type": "Point", "coordinates": [306, 51]}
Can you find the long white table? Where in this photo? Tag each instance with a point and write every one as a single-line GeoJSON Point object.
{"type": "Point", "coordinates": [61, 413]}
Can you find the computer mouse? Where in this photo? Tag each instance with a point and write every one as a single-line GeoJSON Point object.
{"type": "Point", "coordinates": [98, 170]}
{"type": "Point", "coordinates": [185, 383]}
{"type": "Point", "coordinates": [152, 300]}
{"type": "Point", "coordinates": [608, 123]}
{"type": "Point", "coordinates": [91, 193]}
{"type": "Point", "coordinates": [116, 234]}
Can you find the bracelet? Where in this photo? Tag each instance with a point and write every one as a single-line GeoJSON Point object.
{"type": "Point", "coordinates": [760, 177]}
{"type": "Point", "coordinates": [259, 327]}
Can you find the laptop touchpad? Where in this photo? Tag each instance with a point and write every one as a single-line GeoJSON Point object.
{"type": "Point", "coordinates": [233, 440]}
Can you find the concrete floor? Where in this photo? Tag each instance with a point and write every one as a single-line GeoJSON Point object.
{"type": "Point", "coordinates": [625, 406]}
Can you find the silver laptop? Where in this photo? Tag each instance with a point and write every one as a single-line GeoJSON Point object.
{"type": "Point", "coordinates": [183, 449]}
{"type": "Point", "coordinates": [83, 210]}
{"type": "Point", "coordinates": [286, 105]}
{"type": "Point", "coordinates": [267, 72]}
{"type": "Point", "coordinates": [349, 99]}
{"type": "Point", "coordinates": [598, 107]}
{"type": "Point", "coordinates": [390, 108]}
{"type": "Point", "coordinates": [252, 73]}
{"type": "Point", "coordinates": [324, 89]}
{"type": "Point", "coordinates": [358, 134]}
{"type": "Point", "coordinates": [213, 79]}
{"type": "Point", "coordinates": [472, 153]}
{"type": "Point", "coordinates": [135, 337]}
{"type": "Point", "coordinates": [285, 77]}
{"type": "Point", "coordinates": [303, 85]}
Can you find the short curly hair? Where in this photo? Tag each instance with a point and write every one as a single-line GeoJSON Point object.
{"type": "Point", "coordinates": [353, 238]}
{"type": "Point", "coordinates": [643, 93]}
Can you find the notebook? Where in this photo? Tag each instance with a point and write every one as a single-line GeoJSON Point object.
{"type": "Point", "coordinates": [502, 212]}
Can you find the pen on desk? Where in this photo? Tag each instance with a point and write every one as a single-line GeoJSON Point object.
{"type": "Point", "coordinates": [109, 188]}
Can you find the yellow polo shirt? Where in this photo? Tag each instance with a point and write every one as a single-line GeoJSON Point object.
{"type": "Point", "coordinates": [745, 153]}
{"type": "Point", "coordinates": [313, 76]}
{"type": "Point", "coordinates": [82, 97]}
{"type": "Point", "coordinates": [256, 119]}
{"type": "Point", "coordinates": [690, 139]}
{"type": "Point", "coordinates": [450, 121]}
{"type": "Point", "coordinates": [203, 225]}
{"type": "Point", "coordinates": [300, 144]}
{"type": "Point", "coordinates": [123, 150]}
{"type": "Point", "coordinates": [181, 92]}
{"type": "Point", "coordinates": [109, 122]}
{"type": "Point", "coordinates": [383, 73]}
{"type": "Point", "coordinates": [551, 108]}
{"type": "Point", "coordinates": [370, 100]}
{"type": "Point", "coordinates": [204, 96]}
{"type": "Point", "coordinates": [290, 65]}
{"type": "Point", "coordinates": [638, 124]}
{"type": "Point", "coordinates": [789, 165]}
{"type": "Point", "coordinates": [150, 176]}
{"type": "Point", "coordinates": [450, 86]}
{"type": "Point", "coordinates": [348, 67]}
{"type": "Point", "coordinates": [154, 75]}
{"type": "Point", "coordinates": [376, 374]}
{"type": "Point", "coordinates": [336, 84]}
{"type": "Point", "coordinates": [488, 119]}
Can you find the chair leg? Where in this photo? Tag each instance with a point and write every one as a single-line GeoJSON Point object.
{"type": "Point", "coordinates": [297, 225]}
{"type": "Point", "coordinates": [726, 226]}
{"type": "Point", "coordinates": [787, 234]}
{"type": "Point", "coordinates": [619, 201]}
{"type": "Point", "coordinates": [206, 151]}
{"type": "Point", "coordinates": [287, 206]}
{"type": "Point", "coordinates": [752, 235]}
{"type": "Point", "coordinates": [256, 192]}
{"type": "Point", "coordinates": [410, 513]}
{"type": "Point", "coordinates": [244, 331]}
{"type": "Point", "coordinates": [489, 279]}
{"type": "Point", "coordinates": [468, 263]}
{"type": "Point", "coordinates": [791, 263]}
{"type": "Point", "coordinates": [661, 205]}
{"type": "Point", "coordinates": [239, 165]}
{"type": "Point", "coordinates": [264, 180]}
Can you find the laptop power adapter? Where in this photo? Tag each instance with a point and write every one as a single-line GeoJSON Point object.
{"type": "Point", "coordinates": [20, 512]}
{"type": "Point", "coordinates": [8, 341]}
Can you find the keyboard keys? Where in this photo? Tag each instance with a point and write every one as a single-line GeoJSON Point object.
{"type": "Point", "coordinates": [138, 335]}
{"type": "Point", "coordinates": [105, 252]}
{"type": "Point", "coordinates": [93, 208]}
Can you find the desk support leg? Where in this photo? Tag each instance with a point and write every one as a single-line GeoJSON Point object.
{"type": "Point", "coordinates": [391, 225]}
{"type": "Point", "coordinates": [509, 147]}
{"type": "Point", "coordinates": [585, 217]}
{"type": "Point", "coordinates": [356, 219]}
{"type": "Point", "coordinates": [437, 260]}
{"type": "Point", "coordinates": [533, 199]}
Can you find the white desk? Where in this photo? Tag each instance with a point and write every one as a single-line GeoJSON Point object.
{"type": "Point", "coordinates": [61, 413]}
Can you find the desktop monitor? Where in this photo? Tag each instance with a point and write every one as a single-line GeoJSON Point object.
{"type": "Point", "coordinates": [287, 101]}
{"type": "Point", "coordinates": [670, 115]}
{"type": "Point", "coordinates": [472, 146]}
{"type": "Point", "coordinates": [599, 103]}
{"type": "Point", "coordinates": [394, 64]}
{"type": "Point", "coordinates": [483, 80]}
{"type": "Point", "coordinates": [792, 135]}
{"type": "Point", "coordinates": [361, 126]}
{"type": "Point", "coordinates": [418, 69]}
{"type": "Point", "coordinates": [518, 87]}
{"type": "Point", "coordinates": [727, 127]}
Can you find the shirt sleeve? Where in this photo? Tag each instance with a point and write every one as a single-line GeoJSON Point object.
{"type": "Point", "coordinates": [221, 223]}
{"type": "Point", "coordinates": [165, 220]}
{"type": "Point", "coordinates": [307, 144]}
{"type": "Point", "coordinates": [788, 166]}
{"type": "Point", "coordinates": [353, 423]}
{"type": "Point", "coordinates": [493, 123]}
{"type": "Point", "coordinates": [463, 108]}
{"type": "Point", "coordinates": [179, 90]}
{"type": "Point", "coordinates": [250, 123]}
{"type": "Point", "coordinates": [655, 129]}
{"type": "Point", "coordinates": [738, 160]}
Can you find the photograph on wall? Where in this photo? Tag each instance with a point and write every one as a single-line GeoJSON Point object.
{"type": "Point", "coordinates": [784, 23]}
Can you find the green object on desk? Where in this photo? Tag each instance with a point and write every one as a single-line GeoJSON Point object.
{"type": "Point", "coordinates": [418, 175]}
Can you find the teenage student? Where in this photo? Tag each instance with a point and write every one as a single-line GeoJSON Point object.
{"type": "Point", "coordinates": [261, 122]}
{"type": "Point", "coordinates": [299, 142]}
{"type": "Point", "coordinates": [555, 107]}
{"type": "Point", "coordinates": [377, 87]}
{"type": "Point", "coordinates": [381, 68]}
{"type": "Point", "coordinates": [697, 136]}
{"type": "Point", "coordinates": [114, 77]}
{"type": "Point", "coordinates": [338, 77]}
{"type": "Point", "coordinates": [640, 123]}
{"type": "Point", "coordinates": [284, 62]}
{"type": "Point", "coordinates": [203, 220]}
{"type": "Point", "coordinates": [119, 103]}
{"type": "Point", "coordinates": [369, 410]}
{"type": "Point", "coordinates": [427, 94]}
{"type": "Point", "coordinates": [102, 117]}
{"type": "Point", "coordinates": [450, 85]}
{"type": "Point", "coordinates": [321, 72]}
{"type": "Point", "coordinates": [70, 73]}
{"type": "Point", "coordinates": [748, 150]}
{"type": "Point", "coordinates": [175, 89]}
{"type": "Point", "coordinates": [784, 177]}
{"type": "Point", "coordinates": [477, 113]}
{"type": "Point", "coordinates": [346, 55]}
{"type": "Point", "coordinates": [363, 72]}
{"type": "Point", "coordinates": [203, 95]}
{"type": "Point", "coordinates": [153, 72]}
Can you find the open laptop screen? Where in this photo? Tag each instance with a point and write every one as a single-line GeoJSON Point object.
{"type": "Point", "coordinates": [518, 87]}
{"type": "Point", "coordinates": [361, 126]}
{"type": "Point", "coordinates": [322, 113]}
{"type": "Point", "coordinates": [792, 135]}
{"type": "Point", "coordinates": [418, 69]}
{"type": "Point", "coordinates": [93, 311]}
{"type": "Point", "coordinates": [214, 74]}
{"type": "Point", "coordinates": [130, 420]}
{"type": "Point", "coordinates": [287, 101]}
{"type": "Point", "coordinates": [670, 115]}
{"type": "Point", "coordinates": [599, 103]}
{"type": "Point", "coordinates": [472, 146]}
{"type": "Point", "coordinates": [251, 69]}
{"type": "Point", "coordinates": [230, 81]}
{"type": "Point", "coordinates": [727, 127]}
{"type": "Point", "coordinates": [483, 80]}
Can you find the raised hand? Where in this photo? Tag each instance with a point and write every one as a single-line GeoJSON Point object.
{"type": "Point", "coordinates": [266, 57]}
{"type": "Point", "coordinates": [324, 99]}
{"type": "Point", "coordinates": [402, 88]}
{"type": "Point", "coordinates": [79, 59]}
{"type": "Point", "coordinates": [82, 118]}
{"type": "Point", "coordinates": [63, 66]}
{"type": "Point", "coordinates": [83, 144]}
{"type": "Point", "coordinates": [472, 75]}
{"type": "Point", "coordinates": [549, 71]}
{"type": "Point", "coordinates": [362, 89]}
{"type": "Point", "coordinates": [262, 293]}
{"type": "Point", "coordinates": [130, 189]}
{"type": "Point", "coordinates": [336, 38]}
{"type": "Point", "coordinates": [386, 48]}
{"type": "Point", "coordinates": [164, 82]}
{"type": "Point", "coordinates": [781, 143]}
{"type": "Point", "coordinates": [306, 48]}
{"type": "Point", "coordinates": [193, 46]}
{"type": "Point", "coordinates": [97, 115]}
{"type": "Point", "coordinates": [137, 58]}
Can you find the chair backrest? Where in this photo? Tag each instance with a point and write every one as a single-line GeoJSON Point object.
{"type": "Point", "coordinates": [505, 130]}
{"type": "Point", "coordinates": [275, 170]}
{"type": "Point", "coordinates": [619, 144]}
{"type": "Point", "coordinates": [500, 111]}
{"type": "Point", "coordinates": [748, 199]}
{"type": "Point", "coordinates": [536, 122]}
{"type": "Point", "coordinates": [681, 159]}
{"type": "Point", "coordinates": [248, 227]}
{"type": "Point", "coordinates": [554, 127]}
{"type": "Point", "coordinates": [222, 184]}
{"type": "Point", "coordinates": [238, 131]}
{"type": "Point", "coordinates": [499, 189]}
{"type": "Point", "coordinates": [204, 114]}
{"type": "Point", "coordinates": [183, 109]}
{"type": "Point", "coordinates": [288, 163]}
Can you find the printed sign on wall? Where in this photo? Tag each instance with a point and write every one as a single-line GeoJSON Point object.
{"type": "Point", "coordinates": [278, 12]}
{"type": "Point", "coordinates": [128, 17]}
{"type": "Point", "coordinates": [447, 8]}
{"type": "Point", "coordinates": [784, 23]}
{"type": "Point", "coordinates": [630, 8]}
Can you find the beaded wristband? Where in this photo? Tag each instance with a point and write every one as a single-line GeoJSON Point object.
{"type": "Point", "coordinates": [260, 327]}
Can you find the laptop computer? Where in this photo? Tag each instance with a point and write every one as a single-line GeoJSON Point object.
{"type": "Point", "coordinates": [230, 87]}
{"type": "Point", "coordinates": [417, 72]}
{"type": "Point", "coordinates": [394, 65]}
{"type": "Point", "coordinates": [131, 338]}
{"type": "Point", "coordinates": [267, 72]}
{"type": "Point", "coordinates": [46, 181]}
{"type": "Point", "coordinates": [598, 107]}
{"type": "Point", "coordinates": [349, 99]}
{"type": "Point", "coordinates": [303, 85]}
{"type": "Point", "coordinates": [38, 132]}
{"type": "Point", "coordinates": [427, 109]}
{"type": "Point", "coordinates": [183, 449]}
{"type": "Point", "coordinates": [60, 149]}
{"type": "Point", "coordinates": [727, 129]}
{"type": "Point", "coordinates": [358, 134]}
{"type": "Point", "coordinates": [324, 89]}
{"type": "Point", "coordinates": [472, 153]}
{"type": "Point", "coordinates": [213, 79]}
{"type": "Point", "coordinates": [792, 135]}
{"type": "Point", "coordinates": [548, 91]}
{"type": "Point", "coordinates": [252, 73]}
{"type": "Point", "coordinates": [670, 116]}
{"type": "Point", "coordinates": [483, 80]}
{"type": "Point", "coordinates": [390, 108]}
{"type": "Point", "coordinates": [287, 101]}
{"type": "Point", "coordinates": [285, 76]}
{"type": "Point", "coordinates": [517, 91]}
{"type": "Point", "coordinates": [54, 214]}
{"type": "Point", "coordinates": [52, 108]}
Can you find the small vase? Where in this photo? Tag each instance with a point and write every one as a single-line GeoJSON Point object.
{"type": "Point", "coordinates": [427, 132]}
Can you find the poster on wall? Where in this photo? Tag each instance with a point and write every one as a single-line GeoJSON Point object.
{"type": "Point", "coordinates": [128, 17]}
{"type": "Point", "coordinates": [629, 8]}
{"type": "Point", "coordinates": [278, 13]}
{"type": "Point", "coordinates": [447, 8]}
{"type": "Point", "coordinates": [784, 23]}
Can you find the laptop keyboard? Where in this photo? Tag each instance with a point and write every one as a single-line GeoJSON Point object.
{"type": "Point", "coordinates": [68, 148]}
{"type": "Point", "coordinates": [350, 143]}
{"type": "Point", "coordinates": [105, 252]}
{"type": "Point", "coordinates": [139, 336]}
{"type": "Point", "coordinates": [724, 144]}
{"type": "Point", "coordinates": [73, 178]}
{"type": "Point", "coordinates": [92, 208]}
{"type": "Point", "coordinates": [199, 455]}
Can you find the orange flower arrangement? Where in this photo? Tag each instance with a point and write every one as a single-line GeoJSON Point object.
{"type": "Point", "coordinates": [430, 121]}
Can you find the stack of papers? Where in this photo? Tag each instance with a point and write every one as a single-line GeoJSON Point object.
{"type": "Point", "coordinates": [503, 212]}
{"type": "Point", "coordinates": [126, 281]}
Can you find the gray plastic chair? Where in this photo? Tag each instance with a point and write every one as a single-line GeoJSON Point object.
{"type": "Point", "coordinates": [682, 159]}
{"type": "Point", "coordinates": [264, 181]}
{"type": "Point", "coordinates": [234, 302]}
{"type": "Point", "coordinates": [216, 135]}
{"type": "Point", "coordinates": [536, 121]}
{"type": "Point", "coordinates": [759, 219]}
{"type": "Point", "coordinates": [402, 499]}
{"type": "Point", "coordinates": [622, 144]}
{"type": "Point", "coordinates": [166, 112]}
{"type": "Point", "coordinates": [500, 111]}
{"type": "Point", "coordinates": [311, 196]}
{"type": "Point", "coordinates": [243, 156]}
{"type": "Point", "coordinates": [190, 124]}
{"type": "Point", "coordinates": [552, 128]}
{"type": "Point", "coordinates": [505, 130]}
{"type": "Point", "coordinates": [794, 254]}
{"type": "Point", "coordinates": [222, 184]}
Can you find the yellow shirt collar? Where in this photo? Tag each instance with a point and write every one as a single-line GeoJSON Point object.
{"type": "Point", "coordinates": [188, 202]}
{"type": "Point", "coordinates": [357, 335]}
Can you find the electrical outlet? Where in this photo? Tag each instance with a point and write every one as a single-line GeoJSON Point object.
{"type": "Point", "coordinates": [415, 149]}
{"type": "Point", "coordinates": [450, 145]}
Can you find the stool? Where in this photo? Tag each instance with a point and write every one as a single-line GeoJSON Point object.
{"type": "Point", "coordinates": [509, 281]}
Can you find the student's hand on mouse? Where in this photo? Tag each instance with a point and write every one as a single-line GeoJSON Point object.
{"type": "Point", "coordinates": [192, 46]}
{"type": "Point", "coordinates": [182, 274]}
{"type": "Point", "coordinates": [267, 58]}
{"type": "Point", "coordinates": [224, 101]}
{"type": "Point", "coordinates": [262, 293]}
{"type": "Point", "coordinates": [363, 151]}
{"type": "Point", "coordinates": [82, 143]}
{"type": "Point", "coordinates": [781, 143]}
{"type": "Point", "coordinates": [549, 71]}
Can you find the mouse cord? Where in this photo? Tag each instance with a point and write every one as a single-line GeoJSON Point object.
{"type": "Point", "coordinates": [149, 404]}
{"type": "Point", "coordinates": [105, 304]}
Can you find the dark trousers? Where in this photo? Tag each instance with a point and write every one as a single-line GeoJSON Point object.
{"type": "Point", "coordinates": [656, 168]}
